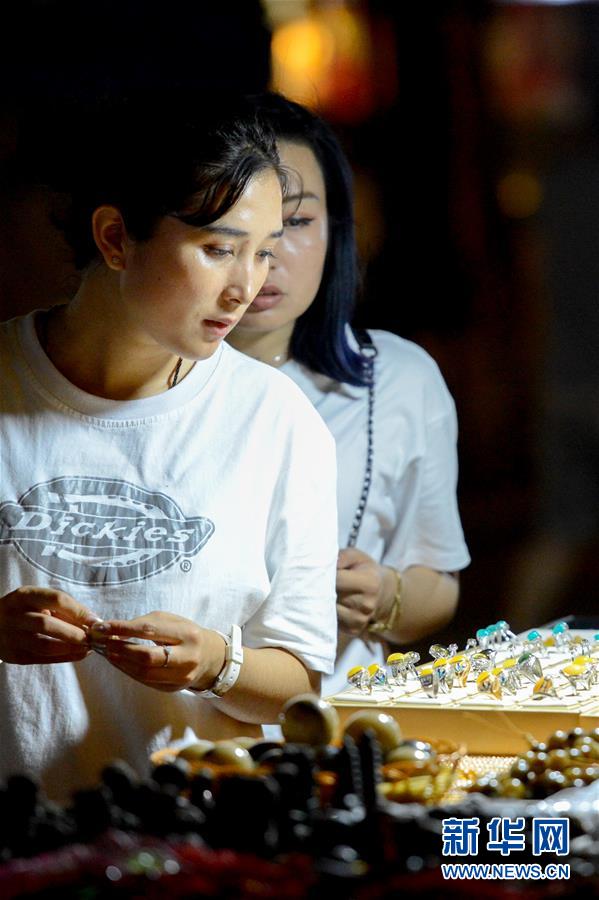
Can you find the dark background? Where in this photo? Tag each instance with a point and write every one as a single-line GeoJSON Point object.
{"type": "Point", "coordinates": [472, 128]}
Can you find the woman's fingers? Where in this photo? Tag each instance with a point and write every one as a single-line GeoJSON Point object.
{"type": "Point", "coordinates": [40, 648]}
{"type": "Point", "coordinates": [160, 664]}
{"type": "Point", "coordinates": [140, 656]}
{"type": "Point", "coordinates": [351, 556]}
{"type": "Point", "coordinates": [61, 605]}
{"type": "Point", "coordinates": [136, 628]}
{"type": "Point", "coordinates": [355, 612]}
{"type": "Point", "coordinates": [48, 625]}
{"type": "Point", "coordinates": [40, 625]}
{"type": "Point", "coordinates": [153, 627]}
{"type": "Point", "coordinates": [51, 649]}
{"type": "Point", "coordinates": [348, 580]}
{"type": "Point", "coordinates": [358, 591]}
{"type": "Point", "coordinates": [358, 604]}
{"type": "Point", "coordinates": [364, 581]}
{"type": "Point", "coordinates": [126, 669]}
{"type": "Point", "coordinates": [170, 663]}
{"type": "Point", "coordinates": [349, 621]}
{"type": "Point", "coordinates": [160, 668]}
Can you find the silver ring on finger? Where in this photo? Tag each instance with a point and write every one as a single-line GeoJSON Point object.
{"type": "Point", "coordinates": [167, 655]}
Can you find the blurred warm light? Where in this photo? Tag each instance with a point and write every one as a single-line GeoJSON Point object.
{"type": "Point", "coordinates": [302, 54]}
{"type": "Point", "coordinates": [519, 194]}
{"type": "Point", "coordinates": [326, 59]}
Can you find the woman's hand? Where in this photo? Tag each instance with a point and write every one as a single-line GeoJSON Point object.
{"type": "Point", "coordinates": [363, 589]}
{"type": "Point", "coordinates": [366, 592]}
{"type": "Point", "coordinates": [43, 625]}
{"type": "Point", "coordinates": [194, 655]}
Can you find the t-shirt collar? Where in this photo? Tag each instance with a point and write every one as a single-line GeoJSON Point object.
{"type": "Point", "coordinates": [52, 381]}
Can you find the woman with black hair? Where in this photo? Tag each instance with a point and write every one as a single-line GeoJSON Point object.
{"type": "Point", "coordinates": [382, 397]}
{"type": "Point", "coordinates": [159, 489]}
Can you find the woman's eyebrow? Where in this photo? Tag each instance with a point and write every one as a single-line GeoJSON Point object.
{"type": "Point", "coordinates": [305, 195]}
{"type": "Point", "coordinates": [225, 229]}
{"type": "Point", "coordinates": [236, 232]}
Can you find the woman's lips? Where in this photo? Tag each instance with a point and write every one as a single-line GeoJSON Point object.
{"type": "Point", "coordinates": [216, 328]}
{"type": "Point", "coordinates": [268, 297]}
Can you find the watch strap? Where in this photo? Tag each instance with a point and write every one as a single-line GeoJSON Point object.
{"type": "Point", "coordinates": [231, 669]}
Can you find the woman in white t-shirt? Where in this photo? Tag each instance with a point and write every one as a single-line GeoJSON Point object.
{"type": "Point", "coordinates": [382, 397]}
{"type": "Point", "coordinates": [157, 486]}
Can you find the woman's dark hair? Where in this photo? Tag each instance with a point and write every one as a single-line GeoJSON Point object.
{"type": "Point", "coordinates": [319, 338]}
{"type": "Point", "coordinates": [191, 159]}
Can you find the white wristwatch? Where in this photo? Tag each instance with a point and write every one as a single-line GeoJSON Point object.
{"type": "Point", "coordinates": [229, 673]}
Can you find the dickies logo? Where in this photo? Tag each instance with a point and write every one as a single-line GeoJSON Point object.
{"type": "Point", "coordinates": [100, 531]}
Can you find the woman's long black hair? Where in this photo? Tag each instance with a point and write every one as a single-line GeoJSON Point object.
{"type": "Point", "coordinates": [319, 338]}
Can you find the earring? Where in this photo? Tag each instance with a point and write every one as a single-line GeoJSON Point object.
{"type": "Point", "coordinates": [116, 260]}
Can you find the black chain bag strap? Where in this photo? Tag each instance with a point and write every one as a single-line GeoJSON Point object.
{"type": "Point", "coordinates": [368, 353]}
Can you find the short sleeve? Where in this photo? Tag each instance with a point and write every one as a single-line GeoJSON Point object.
{"type": "Point", "coordinates": [299, 613]}
{"type": "Point", "coordinates": [429, 530]}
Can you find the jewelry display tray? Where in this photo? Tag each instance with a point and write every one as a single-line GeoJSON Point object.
{"type": "Point", "coordinates": [486, 726]}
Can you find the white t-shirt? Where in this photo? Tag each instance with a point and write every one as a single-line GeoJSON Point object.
{"type": "Point", "coordinates": [214, 500]}
{"type": "Point", "coordinates": [412, 516]}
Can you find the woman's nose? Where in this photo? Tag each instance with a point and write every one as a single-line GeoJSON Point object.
{"type": "Point", "coordinates": [244, 285]}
